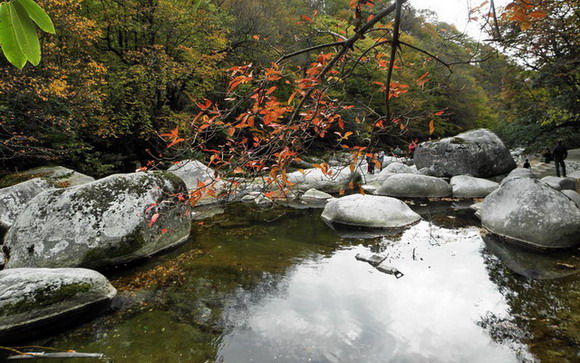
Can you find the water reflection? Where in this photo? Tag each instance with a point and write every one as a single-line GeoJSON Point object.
{"type": "Point", "coordinates": [341, 310]}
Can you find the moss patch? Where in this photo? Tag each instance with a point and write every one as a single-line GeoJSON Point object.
{"type": "Point", "coordinates": [45, 297]}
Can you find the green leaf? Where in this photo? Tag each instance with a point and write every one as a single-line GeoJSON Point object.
{"type": "Point", "coordinates": [8, 41]}
{"type": "Point", "coordinates": [25, 32]}
{"type": "Point", "coordinates": [37, 14]}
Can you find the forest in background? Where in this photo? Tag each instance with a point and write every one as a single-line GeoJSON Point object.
{"type": "Point", "coordinates": [119, 74]}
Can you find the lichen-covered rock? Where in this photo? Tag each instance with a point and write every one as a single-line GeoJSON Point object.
{"type": "Point", "coordinates": [368, 211]}
{"type": "Point", "coordinates": [415, 185]}
{"type": "Point", "coordinates": [193, 172]}
{"type": "Point", "coordinates": [466, 186]}
{"type": "Point", "coordinates": [338, 178]}
{"type": "Point", "coordinates": [479, 153]}
{"type": "Point", "coordinates": [13, 199]}
{"type": "Point", "coordinates": [529, 211]}
{"type": "Point", "coordinates": [30, 297]}
{"type": "Point", "coordinates": [58, 176]}
{"type": "Point", "coordinates": [560, 183]}
{"type": "Point", "coordinates": [107, 222]}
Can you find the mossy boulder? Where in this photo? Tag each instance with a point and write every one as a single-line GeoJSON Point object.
{"type": "Point", "coordinates": [13, 199]}
{"type": "Point", "coordinates": [30, 297]}
{"type": "Point", "coordinates": [111, 221]}
{"type": "Point", "coordinates": [479, 153]}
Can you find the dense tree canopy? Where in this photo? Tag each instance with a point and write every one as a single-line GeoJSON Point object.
{"type": "Point", "coordinates": [118, 75]}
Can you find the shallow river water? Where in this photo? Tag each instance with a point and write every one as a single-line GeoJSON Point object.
{"type": "Point", "coordinates": [281, 286]}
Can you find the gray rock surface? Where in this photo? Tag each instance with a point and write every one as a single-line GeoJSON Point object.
{"type": "Point", "coordinates": [368, 211]}
{"type": "Point", "coordinates": [521, 172]}
{"type": "Point", "coordinates": [339, 178]}
{"type": "Point", "coordinates": [398, 168]}
{"type": "Point", "coordinates": [13, 199]}
{"type": "Point", "coordinates": [193, 172]}
{"type": "Point", "coordinates": [315, 195]}
{"type": "Point", "coordinates": [415, 185]}
{"type": "Point", "coordinates": [560, 183]}
{"type": "Point", "coordinates": [103, 223]}
{"type": "Point", "coordinates": [479, 153]}
{"type": "Point", "coordinates": [572, 194]}
{"type": "Point", "coordinates": [466, 186]}
{"type": "Point", "coordinates": [31, 296]}
{"type": "Point", "coordinates": [530, 212]}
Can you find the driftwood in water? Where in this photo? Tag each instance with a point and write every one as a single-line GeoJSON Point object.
{"type": "Point", "coordinates": [42, 355]}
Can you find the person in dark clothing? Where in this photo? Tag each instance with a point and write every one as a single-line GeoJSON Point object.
{"type": "Point", "coordinates": [547, 156]}
{"type": "Point", "coordinates": [560, 154]}
{"type": "Point", "coordinates": [527, 164]}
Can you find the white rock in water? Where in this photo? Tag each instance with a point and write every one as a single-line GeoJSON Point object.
{"type": "Point", "coordinates": [314, 194]}
{"type": "Point", "coordinates": [415, 185]}
{"type": "Point", "coordinates": [103, 223]}
{"type": "Point", "coordinates": [369, 211]}
{"type": "Point", "coordinates": [529, 211]}
{"type": "Point", "coordinates": [466, 186]}
{"type": "Point", "coordinates": [33, 296]}
{"type": "Point", "coordinates": [13, 199]}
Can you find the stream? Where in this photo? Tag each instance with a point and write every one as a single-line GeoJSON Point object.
{"type": "Point", "coordinates": [279, 285]}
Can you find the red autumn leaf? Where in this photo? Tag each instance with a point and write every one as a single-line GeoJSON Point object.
{"type": "Point", "coordinates": [306, 18]}
{"type": "Point", "coordinates": [205, 105]}
{"type": "Point", "coordinates": [176, 141]}
{"type": "Point", "coordinates": [164, 230]}
{"type": "Point", "coordinates": [153, 219]}
{"type": "Point", "coordinates": [439, 113]}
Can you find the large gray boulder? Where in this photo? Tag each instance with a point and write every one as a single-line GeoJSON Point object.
{"type": "Point", "coordinates": [479, 153]}
{"type": "Point", "coordinates": [107, 222]}
{"type": "Point", "coordinates": [13, 199]}
{"type": "Point", "coordinates": [466, 186]}
{"type": "Point", "coordinates": [30, 297]}
{"type": "Point", "coordinates": [415, 185]}
{"type": "Point", "coordinates": [338, 178]}
{"type": "Point", "coordinates": [398, 168]}
{"type": "Point", "coordinates": [368, 211]}
{"type": "Point", "coordinates": [529, 211]}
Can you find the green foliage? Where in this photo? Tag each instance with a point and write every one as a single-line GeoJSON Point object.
{"type": "Point", "coordinates": [18, 37]}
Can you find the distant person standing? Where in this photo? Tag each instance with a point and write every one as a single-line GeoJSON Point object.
{"type": "Point", "coordinates": [547, 156]}
{"type": "Point", "coordinates": [381, 158]}
{"type": "Point", "coordinates": [560, 154]}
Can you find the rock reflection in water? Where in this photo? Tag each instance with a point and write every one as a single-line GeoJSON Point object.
{"type": "Point", "coordinates": [530, 263]}
{"type": "Point", "coordinates": [338, 309]}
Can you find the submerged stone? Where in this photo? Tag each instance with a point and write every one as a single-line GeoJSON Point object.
{"type": "Point", "coordinates": [367, 211]}
{"type": "Point", "coordinates": [107, 222]}
{"type": "Point", "coordinates": [32, 297]}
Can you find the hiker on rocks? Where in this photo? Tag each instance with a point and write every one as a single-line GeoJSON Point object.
{"type": "Point", "coordinates": [527, 164]}
{"type": "Point", "coordinates": [371, 163]}
{"type": "Point", "coordinates": [560, 154]}
{"type": "Point", "coordinates": [380, 158]}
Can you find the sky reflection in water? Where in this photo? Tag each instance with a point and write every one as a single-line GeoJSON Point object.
{"type": "Point", "coordinates": [337, 309]}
